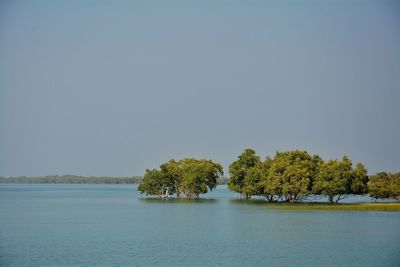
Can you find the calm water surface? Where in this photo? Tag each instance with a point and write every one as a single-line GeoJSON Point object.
{"type": "Point", "coordinates": [113, 225]}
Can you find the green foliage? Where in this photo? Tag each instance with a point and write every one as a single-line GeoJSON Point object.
{"type": "Point", "coordinates": [290, 175]}
{"type": "Point", "coordinates": [197, 176]}
{"type": "Point", "coordinates": [238, 171]}
{"type": "Point", "coordinates": [337, 179]}
{"type": "Point", "coordinates": [287, 176]}
{"type": "Point", "coordinates": [186, 178]}
{"type": "Point", "coordinates": [359, 185]}
{"type": "Point", "coordinates": [158, 182]}
{"type": "Point", "coordinates": [252, 184]}
{"type": "Point", "coordinates": [152, 184]}
{"type": "Point", "coordinates": [344, 207]}
{"type": "Point", "coordinates": [384, 185]}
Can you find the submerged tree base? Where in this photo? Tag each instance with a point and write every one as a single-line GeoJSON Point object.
{"type": "Point", "coordinates": [394, 206]}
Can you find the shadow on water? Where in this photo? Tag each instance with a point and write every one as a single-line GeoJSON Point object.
{"type": "Point", "coordinates": [284, 203]}
{"type": "Point", "coordinates": [319, 206]}
{"type": "Point", "coordinates": [178, 200]}
{"type": "Point", "coordinates": [260, 201]}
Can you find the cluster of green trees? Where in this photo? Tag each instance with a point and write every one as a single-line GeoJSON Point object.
{"type": "Point", "coordinates": [293, 175]}
{"type": "Point", "coordinates": [384, 185]}
{"type": "Point", "coordinates": [70, 179]}
{"type": "Point", "coordinates": [288, 176]}
{"type": "Point", "coordinates": [186, 178]}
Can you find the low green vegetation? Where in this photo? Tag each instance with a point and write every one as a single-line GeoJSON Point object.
{"type": "Point", "coordinates": [326, 206]}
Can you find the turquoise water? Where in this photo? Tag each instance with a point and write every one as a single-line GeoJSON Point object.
{"type": "Point", "coordinates": [112, 225]}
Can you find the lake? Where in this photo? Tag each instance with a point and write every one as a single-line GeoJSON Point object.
{"type": "Point", "coordinates": [113, 225]}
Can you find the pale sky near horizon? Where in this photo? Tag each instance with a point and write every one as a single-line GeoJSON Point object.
{"type": "Point", "coordinates": [115, 87]}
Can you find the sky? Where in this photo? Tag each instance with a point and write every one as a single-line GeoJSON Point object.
{"type": "Point", "coordinates": [116, 87]}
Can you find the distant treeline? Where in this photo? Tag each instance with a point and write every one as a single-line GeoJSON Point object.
{"type": "Point", "coordinates": [74, 179]}
{"type": "Point", "coordinates": [71, 179]}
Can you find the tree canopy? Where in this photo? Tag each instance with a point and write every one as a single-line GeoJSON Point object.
{"type": "Point", "coordinates": [293, 175]}
{"type": "Point", "coordinates": [288, 176]}
{"type": "Point", "coordinates": [239, 180]}
{"type": "Point", "coordinates": [186, 178]}
{"type": "Point", "coordinates": [337, 179]}
{"type": "Point", "coordinates": [384, 185]}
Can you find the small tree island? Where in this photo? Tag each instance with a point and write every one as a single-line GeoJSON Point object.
{"type": "Point", "coordinates": [187, 178]}
{"type": "Point", "coordinates": [289, 176]}
{"type": "Point", "coordinates": [292, 176]}
{"type": "Point", "coordinates": [384, 185]}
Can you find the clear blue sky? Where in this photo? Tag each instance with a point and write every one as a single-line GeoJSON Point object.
{"type": "Point", "coordinates": [115, 87]}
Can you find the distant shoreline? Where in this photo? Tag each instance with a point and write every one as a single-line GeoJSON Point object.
{"type": "Point", "coordinates": [70, 179]}
{"type": "Point", "coordinates": [75, 179]}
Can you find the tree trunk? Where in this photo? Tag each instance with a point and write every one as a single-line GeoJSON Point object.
{"type": "Point", "coordinates": [167, 193]}
{"type": "Point", "coordinates": [338, 198]}
{"type": "Point", "coordinates": [270, 198]}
